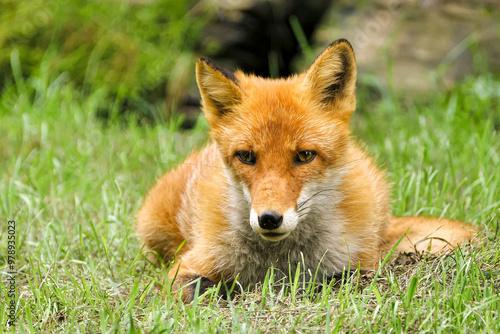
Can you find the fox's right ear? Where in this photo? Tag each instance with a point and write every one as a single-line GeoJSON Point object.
{"type": "Point", "coordinates": [218, 87]}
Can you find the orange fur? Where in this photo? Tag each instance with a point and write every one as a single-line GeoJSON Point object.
{"type": "Point", "coordinates": [239, 217]}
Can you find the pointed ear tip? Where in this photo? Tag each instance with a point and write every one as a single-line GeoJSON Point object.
{"type": "Point", "coordinates": [204, 66]}
{"type": "Point", "coordinates": [343, 42]}
{"type": "Point", "coordinates": [203, 61]}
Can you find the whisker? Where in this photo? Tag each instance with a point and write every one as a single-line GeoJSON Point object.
{"type": "Point", "coordinates": [313, 195]}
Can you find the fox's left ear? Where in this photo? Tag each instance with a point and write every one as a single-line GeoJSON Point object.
{"type": "Point", "coordinates": [331, 79]}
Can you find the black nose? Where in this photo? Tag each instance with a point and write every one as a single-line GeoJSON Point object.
{"type": "Point", "coordinates": [270, 220]}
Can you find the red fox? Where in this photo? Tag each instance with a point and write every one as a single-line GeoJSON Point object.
{"type": "Point", "coordinates": [283, 182]}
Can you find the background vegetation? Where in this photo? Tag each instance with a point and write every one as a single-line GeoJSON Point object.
{"type": "Point", "coordinates": [129, 51]}
{"type": "Point", "coordinates": [73, 183]}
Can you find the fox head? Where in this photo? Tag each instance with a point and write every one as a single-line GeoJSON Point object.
{"type": "Point", "coordinates": [281, 139]}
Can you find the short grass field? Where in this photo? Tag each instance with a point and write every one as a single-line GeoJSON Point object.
{"type": "Point", "coordinates": [73, 184]}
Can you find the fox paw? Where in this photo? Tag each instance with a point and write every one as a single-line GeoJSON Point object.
{"type": "Point", "coordinates": [189, 291]}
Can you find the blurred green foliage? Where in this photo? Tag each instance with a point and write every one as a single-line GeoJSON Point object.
{"type": "Point", "coordinates": [130, 49]}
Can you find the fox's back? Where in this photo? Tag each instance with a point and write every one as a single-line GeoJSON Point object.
{"type": "Point", "coordinates": [171, 210]}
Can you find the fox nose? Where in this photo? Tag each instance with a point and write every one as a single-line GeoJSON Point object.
{"type": "Point", "coordinates": [270, 220]}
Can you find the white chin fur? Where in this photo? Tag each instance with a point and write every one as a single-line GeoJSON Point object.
{"type": "Point", "coordinates": [274, 237]}
{"type": "Point", "coordinates": [290, 220]}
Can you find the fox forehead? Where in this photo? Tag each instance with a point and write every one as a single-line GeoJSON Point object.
{"type": "Point", "coordinates": [275, 115]}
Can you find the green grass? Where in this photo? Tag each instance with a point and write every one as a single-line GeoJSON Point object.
{"type": "Point", "coordinates": [73, 185]}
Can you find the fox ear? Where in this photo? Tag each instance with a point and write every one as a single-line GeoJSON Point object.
{"type": "Point", "coordinates": [218, 87]}
{"type": "Point", "coordinates": [331, 79]}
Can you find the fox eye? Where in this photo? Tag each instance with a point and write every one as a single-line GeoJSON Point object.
{"type": "Point", "coordinates": [304, 157]}
{"type": "Point", "coordinates": [247, 157]}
